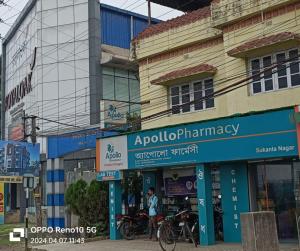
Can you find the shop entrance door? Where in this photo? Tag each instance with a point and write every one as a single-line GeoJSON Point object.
{"type": "Point", "coordinates": [217, 203]}
{"type": "Point", "coordinates": [277, 188]}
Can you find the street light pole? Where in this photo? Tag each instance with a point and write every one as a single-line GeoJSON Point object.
{"type": "Point", "coordinates": [28, 183]}
{"type": "Point", "coordinates": [26, 218]}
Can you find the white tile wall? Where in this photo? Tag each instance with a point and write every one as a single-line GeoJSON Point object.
{"type": "Point", "coordinates": [50, 73]}
{"type": "Point", "coordinates": [66, 70]}
{"type": "Point", "coordinates": [49, 4]}
{"type": "Point", "coordinates": [81, 31]}
{"type": "Point", "coordinates": [66, 51]}
{"type": "Point", "coordinates": [49, 18]}
{"type": "Point", "coordinates": [49, 54]}
{"type": "Point", "coordinates": [61, 36]}
{"type": "Point", "coordinates": [66, 15]}
{"type": "Point", "coordinates": [63, 3]}
{"type": "Point", "coordinates": [82, 68]}
{"type": "Point", "coordinates": [67, 99]}
{"type": "Point", "coordinates": [80, 1]}
{"type": "Point", "coordinates": [65, 33]}
{"type": "Point", "coordinates": [81, 12]}
{"type": "Point", "coordinates": [49, 36]}
{"type": "Point", "coordinates": [38, 5]}
{"type": "Point", "coordinates": [81, 49]}
{"type": "Point", "coordinates": [67, 90]}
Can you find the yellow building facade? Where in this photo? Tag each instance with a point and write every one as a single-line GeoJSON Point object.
{"type": "Point", "coordinates": [226, 42]}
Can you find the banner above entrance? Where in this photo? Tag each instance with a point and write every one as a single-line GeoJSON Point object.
{"type": "Point", "coordinates": [257, 136]}
{"type": "Point", "coordinates": [264, 135]}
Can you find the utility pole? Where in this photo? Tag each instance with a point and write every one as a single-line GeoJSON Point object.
{"type": "Point", "coordinates": [149, 12]}
{"type": "Point", "coordinates": [28, 183]}
{"type": "Point", "coordinates": [26, 218]}
{"type": "Point", "coordinates": [33, 128]}
{"type": "Point", "coordinates": [28, 179]}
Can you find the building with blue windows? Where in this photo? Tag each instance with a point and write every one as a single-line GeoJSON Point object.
{"type": "Point", "coordinates": [66, 62]}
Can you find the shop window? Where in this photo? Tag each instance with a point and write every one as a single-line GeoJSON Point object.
{"type": "Point", "coordinates": [121, 85]}
{"type": "Point", "coordinates": [108, 87]}
{"type": "Point", "coordinates": [181, 96]}
{"type": "Point", "coordinates": [134, 93]}
{"type": "Point", "coordinates": [121, 89]}
{"type": "Point", "coordinates": [277, 187]}
{"type": "Point", "coordinates": [284, 76]}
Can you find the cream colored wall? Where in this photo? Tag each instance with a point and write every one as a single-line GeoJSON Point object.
{"type": "Point", "coordinates": [230, 70]}
{"type": "Point", "coordinates": [228, 11]}
{"type": "Point", "coordinates": [158, 94]}
{"type": "Point", "coordinates": [175, 38]}
{"type": "Point", "coordinates": [240, 101]}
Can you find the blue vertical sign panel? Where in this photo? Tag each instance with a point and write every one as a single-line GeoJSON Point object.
{"type": "Point", "coordinates": [205, 208]}
{"type": "Point", "coordinates": [235, 199]}
{"type": "Point", "coordinates": [115, 208]}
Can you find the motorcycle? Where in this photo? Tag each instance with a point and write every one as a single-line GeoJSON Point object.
{"type": "Point", "coordinates": [130, 226]}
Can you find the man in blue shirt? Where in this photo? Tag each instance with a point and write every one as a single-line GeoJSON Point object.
{"type": "Point", "coordinates": [152, 204]}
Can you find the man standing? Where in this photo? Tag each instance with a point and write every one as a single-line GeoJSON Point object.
{"type": "Point", "coordinates": [152, 204]}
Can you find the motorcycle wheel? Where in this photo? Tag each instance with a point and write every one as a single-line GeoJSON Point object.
{"type": "Point", "coordinates": [166, 237]}
{"type": "Point", "coordinates": [127, 231]}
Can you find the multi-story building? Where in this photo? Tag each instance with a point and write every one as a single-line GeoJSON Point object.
{"type": "Point", "coordinates": [17, 158]}
{"type": "Point", "coordinates": [221, 85]}
{"type": "Point", "coordinates": [62, 62]}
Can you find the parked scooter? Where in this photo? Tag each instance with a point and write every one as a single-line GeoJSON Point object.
{"type": "Point", "coordinates": [130, 226]}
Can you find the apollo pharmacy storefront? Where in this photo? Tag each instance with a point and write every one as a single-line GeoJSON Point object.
{"type": "Point", "coordinates": [251, 161]}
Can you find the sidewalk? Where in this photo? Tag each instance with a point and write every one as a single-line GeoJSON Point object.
{"type": "Point", "coordinates": [140, 245]}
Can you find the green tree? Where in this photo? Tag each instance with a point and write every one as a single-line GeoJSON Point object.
{"type": "Point", "coordinates": [90, 203]}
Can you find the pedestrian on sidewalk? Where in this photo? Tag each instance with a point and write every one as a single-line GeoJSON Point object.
{"type": "Point", "coordinates": [152, 204]}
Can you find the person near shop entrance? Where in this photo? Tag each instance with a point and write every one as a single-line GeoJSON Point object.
{"type": "Point", "coordinates": [152, 204]}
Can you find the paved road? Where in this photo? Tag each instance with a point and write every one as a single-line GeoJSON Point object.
{"type": "Point", "coordinates": [141, 245]}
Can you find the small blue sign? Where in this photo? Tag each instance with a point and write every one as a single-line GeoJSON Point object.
{"type": "Point", "coordinates": [109, 175]}
{"type": "Point", "coordinates": [61, 145]}
{"type": "Point", "coordinates": [265, 135]}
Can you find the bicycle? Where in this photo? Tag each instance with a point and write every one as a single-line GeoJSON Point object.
{"type": "Point", "coordinates": [171, 230]}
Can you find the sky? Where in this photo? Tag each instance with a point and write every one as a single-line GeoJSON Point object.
{"type": "Point", "coordinates": [10, 13]}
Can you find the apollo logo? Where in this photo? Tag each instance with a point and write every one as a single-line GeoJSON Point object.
{"type": "Point", "coordinates": [114, 114]}
{"type": "Point", "coordinates": [17, 234]}
{"type": "Point", "coordinates": [111, 154]}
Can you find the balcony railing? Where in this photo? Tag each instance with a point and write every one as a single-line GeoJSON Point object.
{"type": "Point", "coordinates": [229, 11]}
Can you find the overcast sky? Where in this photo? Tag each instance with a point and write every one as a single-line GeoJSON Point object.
{"type": "Point", "coordinates": [9, 14]}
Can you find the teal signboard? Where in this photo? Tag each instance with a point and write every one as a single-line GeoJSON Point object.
{"type": "Point", "coordinates": [264, 135]}
{"type": "Point", "coordinates": [205, 207]}
{"type": "Point", "coordinates": [235, 198]}
{"type": "Point", "coordinates": [115, 208]}
{"type": "Point", "coordinates": [109, 175]}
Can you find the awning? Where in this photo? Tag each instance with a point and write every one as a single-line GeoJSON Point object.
{"type": "Point", "coordinates": [264, 45]}
{"type": "Point", "coordinates": [185, 6]}
{"type": "Point", "coordinates": [202, 70]}
{"type": "Point", "coordinates": [116, 57]}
